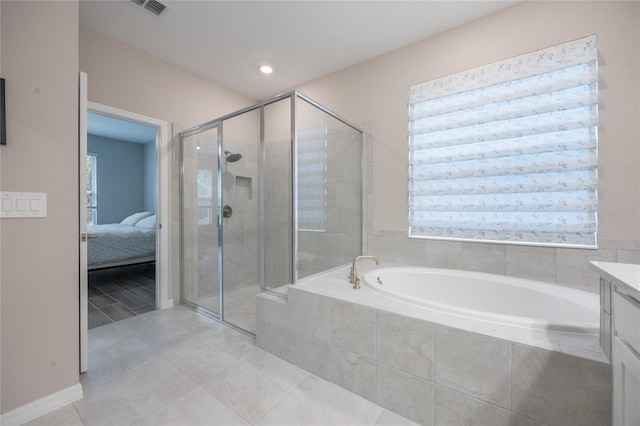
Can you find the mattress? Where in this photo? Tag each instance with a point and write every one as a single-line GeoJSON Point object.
{"type": "Point", "coordinates": [119, 244]}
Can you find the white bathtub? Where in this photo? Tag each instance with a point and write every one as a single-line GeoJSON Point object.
{"type": "Point", "coordinates": [497, 299]}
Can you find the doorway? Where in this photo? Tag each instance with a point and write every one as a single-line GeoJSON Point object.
{"type": "Point", "coordinates": [121, 218]}
{"type": "Point", "coordinates": [152, 217]}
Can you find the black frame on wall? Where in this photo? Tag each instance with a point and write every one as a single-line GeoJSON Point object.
{"type": "Point", "coordinates": [3, 117]}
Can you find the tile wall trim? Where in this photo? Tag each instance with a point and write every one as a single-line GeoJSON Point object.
{"type": "Point", "coordinates": [564, 266]}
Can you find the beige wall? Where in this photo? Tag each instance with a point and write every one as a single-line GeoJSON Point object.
{"type": "Point", "coordinates": [124, 77]}
{"type": "Point", "coordinates": [374, 94]}
{"type": "Point", "coordinates": [39, 323]}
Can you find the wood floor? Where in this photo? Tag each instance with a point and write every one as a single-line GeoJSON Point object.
{"type": "Point", "coordinates": [121, 292]}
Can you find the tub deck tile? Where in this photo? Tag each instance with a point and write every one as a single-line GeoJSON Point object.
{"type": "Point", "coordinates": [560, 389]}
{"type": "Point", "coordinates": [473, 364]}
{"type": "Point", "coordinates": [405, 343]}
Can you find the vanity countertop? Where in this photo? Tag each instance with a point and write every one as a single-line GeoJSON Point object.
{"type": "Point", "coordinates": [625, 273]}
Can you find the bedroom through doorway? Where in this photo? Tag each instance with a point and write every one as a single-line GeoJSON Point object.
{"type": "Point", "coordinates": [121, 218]}
{"type": "Point", "coordinates": [149, 217]}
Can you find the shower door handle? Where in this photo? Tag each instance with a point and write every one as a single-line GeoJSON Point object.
{"type": "Point", "coordinates": [227, 211]}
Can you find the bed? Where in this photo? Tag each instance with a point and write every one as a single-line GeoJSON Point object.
{"type": "Point", "coordinates": [131, 241]}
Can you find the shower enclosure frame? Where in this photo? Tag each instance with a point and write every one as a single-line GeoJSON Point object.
{"type": "Point", "coordinates": [218, 123]}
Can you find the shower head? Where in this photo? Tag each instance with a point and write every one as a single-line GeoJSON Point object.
{"type": "Point", "coordinates": [231, 157]}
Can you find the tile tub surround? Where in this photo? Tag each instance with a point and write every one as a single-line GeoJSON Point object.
{"type": "Point", "coordinates": [564, 266]}
{"type": "Point", "coordinates": [431, 371]}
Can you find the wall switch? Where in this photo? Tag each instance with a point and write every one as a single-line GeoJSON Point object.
{"type": "Point", "coordinates": [7, 204]}
{"type": "Point", "coordinates": [23, 204]}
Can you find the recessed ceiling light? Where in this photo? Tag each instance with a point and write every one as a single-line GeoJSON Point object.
{"type": "Point", "coordinates": [266, 69]}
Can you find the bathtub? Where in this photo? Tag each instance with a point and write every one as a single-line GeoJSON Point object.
{"type": "Point", "coordinates": [496, 299]}
{"type": "Point", "coordinates": [423, 341]}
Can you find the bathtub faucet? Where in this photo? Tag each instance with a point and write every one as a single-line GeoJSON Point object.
{"type": "Point", "coordinates": [353, 275]}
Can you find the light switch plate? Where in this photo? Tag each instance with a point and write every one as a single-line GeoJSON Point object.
{"type": "Point", "coordinates": [23, 204]}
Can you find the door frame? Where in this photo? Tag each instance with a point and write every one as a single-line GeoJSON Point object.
{"type": "Point", "coordinates": [164, 295]}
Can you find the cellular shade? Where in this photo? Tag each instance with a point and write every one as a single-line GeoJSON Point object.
{"type": "Point", "coordinates": [507, 152]}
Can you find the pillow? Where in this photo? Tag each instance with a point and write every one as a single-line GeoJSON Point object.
{"type": "Point", "coordinates": [135, 218]}
{"type": "Point", "coordinates": [147, 223]}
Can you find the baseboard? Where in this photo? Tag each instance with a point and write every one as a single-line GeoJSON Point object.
{"type": "Point", "coordinates": [166, 303]}
{"type": "Point", "coordinates": [42, 406]}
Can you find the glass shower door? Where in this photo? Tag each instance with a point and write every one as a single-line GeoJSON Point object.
{"type": "Point", "coordinates": [240, 279]}
{"type": "Point", "coordinates": [199, 201]}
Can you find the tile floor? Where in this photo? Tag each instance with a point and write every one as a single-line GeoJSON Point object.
{"type": "Point", "coordinates": [239, 306]}
{"type": "Point", "coordinates": [174, 367]}
{"type": "Point", "coordinates": [121, 292]}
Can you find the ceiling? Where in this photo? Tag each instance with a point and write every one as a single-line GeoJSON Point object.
{"type": "Point", "coordinates": [120, 129]}
{"type": "Point", "coordinates": [227, 41]}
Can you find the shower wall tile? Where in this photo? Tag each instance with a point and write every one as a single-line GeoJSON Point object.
{"type": "Point", "coordinates": [454, 408]}
{"type": "Point", "coordinates": [604, 243]}
{"type": "Point", "coordinates": [382, 244]}
{"type": "Point", "coordinates": [444, 254]}
{"type": "Point", "coordinates": [352, 222]}
{"type": "Point", "coordinates": [572, 267]}
{"type": "Point", "coordinates": [354, 372]}
{"type": "Point", "coordinates": [341, 239]}
{"type": "Point", "coordinates": [473, 364]}
{"type": "Point", "coordinates": [405, 343]}
{"type": "Point", "coordinates": [405, 394]}
{"type": "Point", "coordinates": [353, 327]}
{"type": "Point", "coordinates": [369, 219]}
{"type": "Point", "coordinates": [350, 247]}
{"type": "Point", "coordinates": [482, 257]}
{"type": "Point", "coordinates": [628, 256]}
{"type": "Point", "coordinates": [412, 252]}
{"type": "Point", "coordinates": [559, 389]}
{"type": "Point", "coordinates": [535, 263]}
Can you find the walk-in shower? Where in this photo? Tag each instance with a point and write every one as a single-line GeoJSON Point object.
{"type": "Point", "coordinates": [291, 208]}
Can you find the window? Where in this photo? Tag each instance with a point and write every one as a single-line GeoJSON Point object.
{"type": "Point", "coordinates": [312, 179]}
{"type": "Point", "coordinates": [205, 197]}
{"type": "Point", "coordinates": [92, 190]}
{"type": "Point", "coordinates": [508, 152]}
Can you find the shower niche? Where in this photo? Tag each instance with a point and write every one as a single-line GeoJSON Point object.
{"type": "Point", "coordinates": [269, 195]}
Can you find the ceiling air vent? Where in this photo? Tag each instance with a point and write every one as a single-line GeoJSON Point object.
{"type": "Point", "coordinates": [154, 6]}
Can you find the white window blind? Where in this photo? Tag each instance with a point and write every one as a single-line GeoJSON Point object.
{"type": "Point", "coordinates": [312, 179]}
{"type": "Point", "coordinates": [92, 189]}
{"type": "Point", "coordinates": [205, 197]}
{"type": "Point", "coordinates": [507, 152]}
